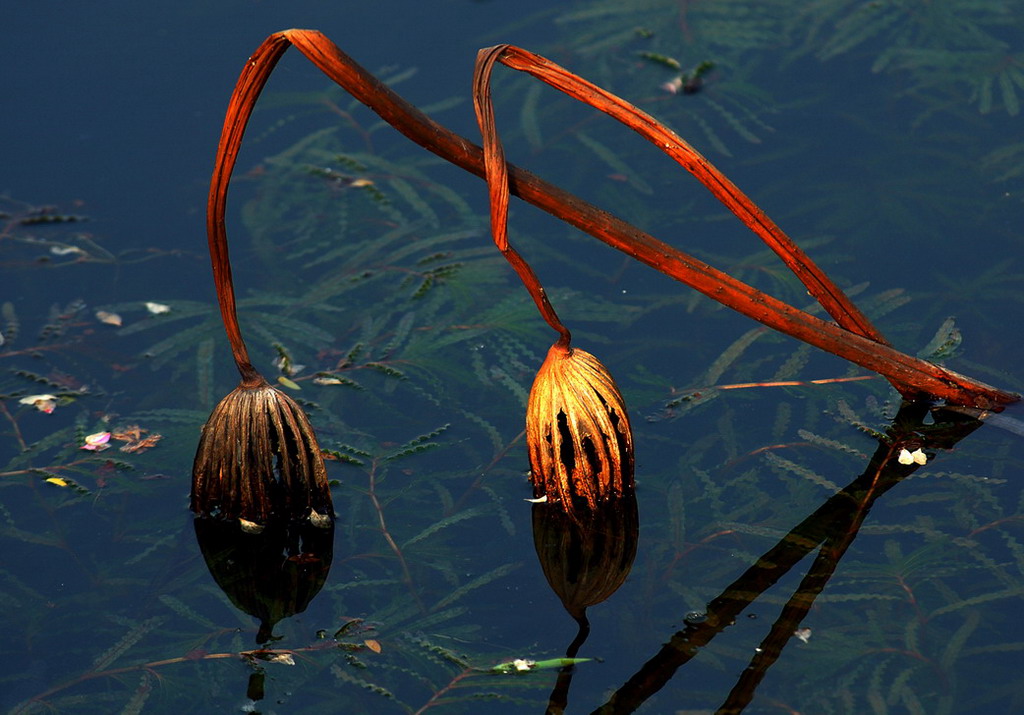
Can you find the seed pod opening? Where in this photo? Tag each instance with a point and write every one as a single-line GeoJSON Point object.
{"type": "Point", "coordinates": [259, 461]}
{"type": "Point", "coordinates": [577, 432]}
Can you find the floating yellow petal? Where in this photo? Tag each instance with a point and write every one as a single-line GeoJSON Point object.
{"type": "Point", "coordinates": [289, 383]}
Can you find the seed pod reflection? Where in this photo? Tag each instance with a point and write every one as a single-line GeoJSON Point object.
{"type": "Point", "coordinates": [271, 575]}
{"type": "Point", "coordinates": [577, 432]}
{"type": "Point", "coordinates": [586, 556]}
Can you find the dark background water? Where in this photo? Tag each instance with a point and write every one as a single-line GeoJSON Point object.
{"type": "Point", "coordinates": [113, 111]}
{"type": "Point", "coordinates": [117, 106]}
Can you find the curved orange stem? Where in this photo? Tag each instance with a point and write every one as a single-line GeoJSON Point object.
{"type": "Point", "coordinates": [859, 343]}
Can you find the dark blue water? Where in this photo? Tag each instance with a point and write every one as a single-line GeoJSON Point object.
{"type": "Point", "coordinates": [905, 190]}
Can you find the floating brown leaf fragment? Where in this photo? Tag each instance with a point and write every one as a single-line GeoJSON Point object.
{"type": "Point", "coordinates": [136, 438]}
{"type": "Point", "coordinates": [143, 444]}
{"type": "Point", "coordinates": [108, 318]}
{"type": "Point", "coordinates": [132, 433]}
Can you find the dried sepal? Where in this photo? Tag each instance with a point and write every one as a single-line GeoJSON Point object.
{"type": "Point", "coordinates": [258, 460]}
{"type": "Point", "coordinates": [577, 431]}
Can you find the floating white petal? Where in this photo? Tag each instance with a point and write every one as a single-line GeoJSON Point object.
{"type": "Point", "coordinates": [915, 457]}
{"type": "Point", "coordinates": [250, 527]}
{"type": "Point", "coordinates": [157, 308]}
{"type": "Point", "coordinates": [108, 318]}
{"type": "Point", "coordinates": [43, 403]}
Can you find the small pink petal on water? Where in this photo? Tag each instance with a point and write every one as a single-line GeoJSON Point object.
{"type": "Point", "coordinates": [673, 87]}
{"type": "Point", "coordinates": [96, 442]}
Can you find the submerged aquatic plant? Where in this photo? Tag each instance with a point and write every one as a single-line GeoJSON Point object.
{"type": "Point", "coordinates": [425, 528]}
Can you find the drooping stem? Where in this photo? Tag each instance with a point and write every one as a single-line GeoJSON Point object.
{"type": "Point", "coordinates": [912, 376]}
{"type": "Point", "coordinates": [819, 285]}
{"type": "Point", "coordinates": [243, 100]}
{"type": "Point", "coordinates": [496, 175]}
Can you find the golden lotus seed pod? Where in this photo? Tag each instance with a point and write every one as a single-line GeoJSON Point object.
{"type": "Point", "coordinates": [577, 431]}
